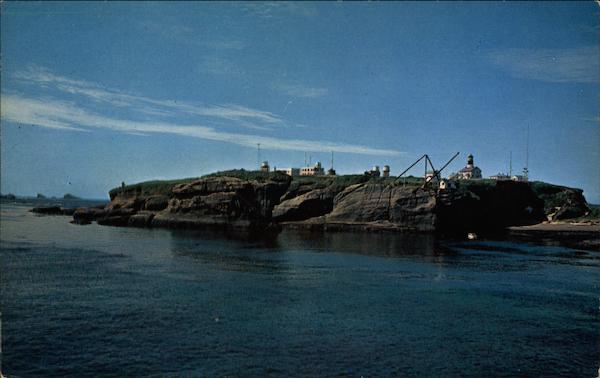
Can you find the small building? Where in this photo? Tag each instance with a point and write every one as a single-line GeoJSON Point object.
{"type": "Point", "coordinates": [316, 170]}
{"type": "Point", "coordinates": [288, 171]}
{"type": "Point", "coordinates": [331, 172]}
{"type": "Point", "coordinates": [264, 167]}
{"type": "Point", "coordinates": [431, 177]}
{"type": "Point", "coordinates": [386, 171]}
{"type": "Point", "coordinates": [469, 172]}
{"type": "Point", "coordinates": [374, 172]}
{"type": "Point", "coordinates": [519, 178]}
{"type": "Point", "coordinates": [500, 176]}
{"type": "Point", "coordinates": [446, 184]}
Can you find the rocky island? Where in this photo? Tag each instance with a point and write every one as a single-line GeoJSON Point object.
{"type": "Point", "coordinates": [269, 201]}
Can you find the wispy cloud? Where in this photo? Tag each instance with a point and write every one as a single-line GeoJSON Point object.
{"type": "Point", "coordinates": [64, 115]}
{"type": "Point", "coordinates": [276, 9]}
{"type": "Point", "coordinates": [220, 66]}
{"type": "Point", "coordinates": [44, 78]}
{"type": "Point", "coordinates": [298, 90]}
{"type": "Point", "coordinates": [595, 119]}
{"type": "Point", "coordinates": [188, 36]}
{"type": "Point", "coordinates": [53, 111]}
{"type": "Point", "coordinates": [574, 65]}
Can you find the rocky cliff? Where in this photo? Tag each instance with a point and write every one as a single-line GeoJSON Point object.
{"type": "Point", "coordinates": [344, 202]}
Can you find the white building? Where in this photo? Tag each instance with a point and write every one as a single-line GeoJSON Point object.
{"type": "Point", "coordinates": [519, 178]}
{"type": "Point", "coordinates": [264, 167]}
{"type": "Point", "coordinates": [431, 177]}
{"type": "Point", "coordinates": [386, 171]}
{"type": "Point", "coordinates": [469, 172]}
{"type": "Point", "coordinates": [289, 171]}
{"type": "Point", "coordinates": [374, 172]}
{"type": "Point", "coordinates": [316, 170]}
{"type": "Point", "coordinates": [500, 176]}
{"type": "Point", "coordinates": [447, 184]}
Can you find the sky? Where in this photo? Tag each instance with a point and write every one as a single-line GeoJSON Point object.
{"type": "Point", "coordinates": [96, 93]}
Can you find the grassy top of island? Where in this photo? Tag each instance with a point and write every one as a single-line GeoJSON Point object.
{"type": "Point", "coordinates": [542, 189]}
{"type": "Point", "coordinates": [164, 187]}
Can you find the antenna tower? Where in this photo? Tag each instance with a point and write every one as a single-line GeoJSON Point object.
{"type": "Point", "coordinates": [526, 169]}
{"type": "Point", "coordinates": [331, 159]}
{"type": "Point", "coordinates": [258, 155]}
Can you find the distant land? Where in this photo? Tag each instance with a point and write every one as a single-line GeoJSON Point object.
{"type": "Point", "coordinates": [67, 196]}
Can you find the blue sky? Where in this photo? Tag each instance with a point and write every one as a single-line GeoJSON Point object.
{"type": "Point", "coordinates": [95, 93]}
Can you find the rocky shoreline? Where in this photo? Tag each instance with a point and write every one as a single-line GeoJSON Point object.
{"type": "Point", "coordinates": [573, 234]}
{"type": "Point", "coordinates": [273, 202]}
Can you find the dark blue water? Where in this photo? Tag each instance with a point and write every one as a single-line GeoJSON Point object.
{"type": "Point", "coordinates": [94, 300]}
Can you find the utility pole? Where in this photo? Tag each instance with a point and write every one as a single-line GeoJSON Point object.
{"type": "Point", "coordinates": [526, 170]}
{"type": "Point", "coordinates": [510, 165]}
{"type": "Point", "coordinates": [331, 159]}
{"type": "Point", "coordinates": [258, 155]}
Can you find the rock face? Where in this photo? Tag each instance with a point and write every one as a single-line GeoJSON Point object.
{"type": "Point", "coordinates": [562, 203]}
{"type": "Point", "coordinates": [212, 202]}
{"type": "Point", "coordinates": [53, 210]}
{"type": "Point", "coordinates": [314, 203]}
{"type": "Point", "coordinates": [365, 204]}
{"type": "Point", "coordinates": [400, 207]}
{"type": "Point", "coordinates": [48, 210]}
{"type": "Point", "coordinates": [488, 207]}
{"type": "Point", "coordinates": [87, 215]}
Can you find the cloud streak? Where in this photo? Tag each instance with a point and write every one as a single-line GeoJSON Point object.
{"type": "Point", "coordinates": [574, 65]}
{"type": "Point", "coordinates": [297, 90]}
{"type": "Point", "coordinates": [112, 97]}
{"type": "Point", "coordinates": [64, 115]}
{"type": "Point", "coordinates": [188, 36]}
{"type": "Point", "coordinates": [166, 116]}
{"type": "Point", "coordinates": [279, 9]}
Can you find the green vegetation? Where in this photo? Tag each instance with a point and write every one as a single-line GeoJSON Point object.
{"type": "Point", "coordinates": [406, 180]}
{"type": "Point", "coordinates": [243, 174]}
{"type": "Point", "coordinates": [150, 187]}
{"type": "Point", "coordinates": [594, 211]}
{"type": "Point", "coordinates": [593, 215]}
{"type": "Point", "coordinates": [553, 195]}
{"type": "Point", "coordinates": [164, 187]}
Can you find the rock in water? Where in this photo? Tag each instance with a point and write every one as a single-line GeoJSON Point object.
{"type": "Point", "coordinates": [48, 210]}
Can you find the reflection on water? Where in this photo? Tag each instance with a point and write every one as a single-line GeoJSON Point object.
{"type": "Point", "coordinates": [376, 244]}
{"type": "Point", "coordinates": [95, 300]}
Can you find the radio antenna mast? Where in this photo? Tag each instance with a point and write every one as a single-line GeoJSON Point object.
{"type": "Point", "coordinates": [526, 170]}
{"type": "Point", "coordinates": [258, 155]}
{"type": "Point", "coordinates": [331, 159]}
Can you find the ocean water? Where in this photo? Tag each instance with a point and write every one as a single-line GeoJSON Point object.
{"type": "Point", "coordinates": [103, 301]}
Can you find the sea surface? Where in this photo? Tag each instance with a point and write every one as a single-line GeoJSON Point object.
{"type": "Point", "coordinates": [104, 301]}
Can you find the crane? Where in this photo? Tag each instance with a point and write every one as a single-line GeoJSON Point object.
{"type": "Point", "coordinates": [436, 172]}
